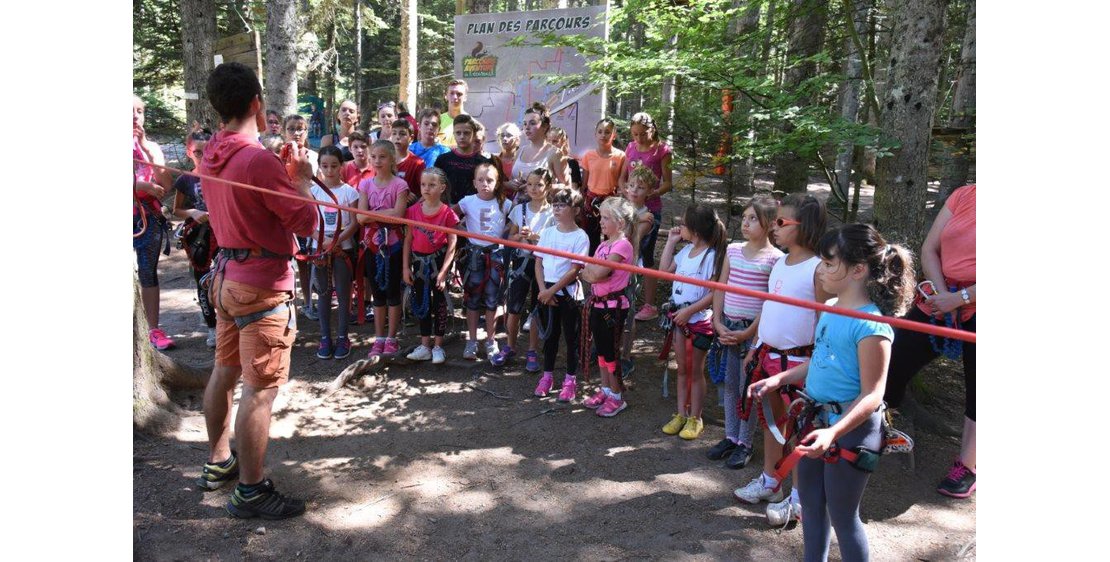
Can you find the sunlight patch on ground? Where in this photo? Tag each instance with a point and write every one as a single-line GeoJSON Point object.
{"type": "Point", "coordinates": [937, 517]}
{"type": "Point", "coordinates": [501, 456]}
{"type": "Point", "coordinates": [694, 483]}
{"type": "Point", "coordinates": [615, 450]}
{"type": "Point", "coordinates": [362, 514]}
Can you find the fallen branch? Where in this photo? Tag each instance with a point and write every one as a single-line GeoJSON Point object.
{"type": "Point", "coordinates": [352, 371]}
{"type": "Point", "coordinates": [547, 411]}
{"type": "Point", "coordinates": [493, 394]}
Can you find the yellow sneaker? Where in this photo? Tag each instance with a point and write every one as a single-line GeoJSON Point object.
{"type": "Point", "coordinates": [693, 428]}
{"type": "Point", "coordinates": [675, 425]}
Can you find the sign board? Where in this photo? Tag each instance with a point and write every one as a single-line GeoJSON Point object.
{"type": "Point", "coordinates": [504, 81]}
{"type": "Point", "coordinates": [243, 48]}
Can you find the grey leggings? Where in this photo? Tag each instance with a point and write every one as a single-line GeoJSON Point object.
{"type": "Point", "coordinates": [736, 429]}
{"type": "Point", "coordinates": [831, 494]}
{"type": "Point", "coordinates": [341, 273]}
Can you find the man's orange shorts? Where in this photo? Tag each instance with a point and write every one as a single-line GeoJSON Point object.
{"type": "Point", "coordinates": [265, 343]}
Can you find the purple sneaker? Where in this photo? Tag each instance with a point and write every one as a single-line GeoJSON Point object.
{"type": "Point", "coordinates": [342, 348]}
{"type": "Point", "coordinates": [533, 364]}
{"type": "Point", "coordinates": [501, 357]}
{"type": "Point", "coordinates": [325, 349]}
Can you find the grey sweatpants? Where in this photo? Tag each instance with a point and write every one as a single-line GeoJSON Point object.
{"type": "Point", "coordinates": [736, 429]}
{"type": "Point", "coordinates": [831, 494]}
{"type": "Point", "coordinates": [342, 277]}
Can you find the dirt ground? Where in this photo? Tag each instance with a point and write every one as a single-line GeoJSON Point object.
{"type": "Point", "coordinates": [463, 463]}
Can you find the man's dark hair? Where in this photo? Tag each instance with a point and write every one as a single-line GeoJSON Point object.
{"type": "Point", "coordinates": [231, 88]}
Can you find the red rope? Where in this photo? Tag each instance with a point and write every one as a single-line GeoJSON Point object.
{"type": "Point", "coordinates": [923, 327]}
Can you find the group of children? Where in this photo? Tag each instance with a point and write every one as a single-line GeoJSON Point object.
{"type": "Point", "coordinates": [760, 347]}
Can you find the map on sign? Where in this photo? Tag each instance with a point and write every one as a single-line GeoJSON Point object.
{"type": "Point", "coordinates": [504, 81]}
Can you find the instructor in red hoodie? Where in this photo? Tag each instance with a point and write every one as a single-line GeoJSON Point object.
{"type": "Point", "coordinates": [252, 290]}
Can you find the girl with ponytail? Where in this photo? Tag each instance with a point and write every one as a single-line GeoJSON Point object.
{"type": "Point", "coordinates": [846, 378]}
{"type": "Point", "coordinates": [690, 310]}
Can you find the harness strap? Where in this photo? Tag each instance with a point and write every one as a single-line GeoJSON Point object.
{"type": "Point", "coordinates": [242, 254]}
{"type": "Point", "coordinates": [244, 321]}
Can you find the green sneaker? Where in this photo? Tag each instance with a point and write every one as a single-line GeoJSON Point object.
{"type": "Point", "coordinates": [265, 502]}
{"type": "Point", "coordinates": [213, 475]}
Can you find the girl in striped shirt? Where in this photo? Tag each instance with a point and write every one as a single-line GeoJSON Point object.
{"type": "Point", "coordinates": [736, 319]}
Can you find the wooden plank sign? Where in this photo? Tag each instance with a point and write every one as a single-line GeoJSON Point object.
{"type": "Point", "coordinates": [245, 48]}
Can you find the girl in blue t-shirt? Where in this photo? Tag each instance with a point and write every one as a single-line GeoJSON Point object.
{"type": "Point", "coordinates": [847, 378]}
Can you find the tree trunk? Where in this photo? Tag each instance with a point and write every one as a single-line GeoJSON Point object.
{"type": "Point", "coordinates": [807, 33]}
{"type": "Point", "coordinates": [358, 62]}
{"type": "Point", "coordinates": [333, 75]}
{"type": "Point", "coordinates": [958, 161]}
{"type": "Point", "coordinates": [198, 36]}
{"type": "Point", "coordinates": [407, 92]}
{"type": "Point", "coordinates": [152, 373]}
{"type": "Point", "coordinates": [668, 94]}
{"type": "Point", "coordinates": [744, 170]}
{"type": "Point", "coordinates": [850, 92]}
{"type": "Point", "coordinates": [282, 32]}
{"type": "Point", "coordinates": [908, 106]}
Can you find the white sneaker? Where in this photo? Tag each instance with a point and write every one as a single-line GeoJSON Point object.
{"type": "Point", "coordinates": [421, 353]}
{"type": "Point", "coordinates": [756, 492]}
{"type": "Point", "coordinates": [471, 349]}
{"type": "Point", "coordinates": [438, 355]}
{"type": "Point", "coordinates": [211, 341]}
{"type": "Point", "coordinates": [491, 349]}
{"type": "Point", "coordinates": [783, 512]}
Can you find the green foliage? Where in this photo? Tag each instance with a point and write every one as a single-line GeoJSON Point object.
{"type": "Point", "coordinates": [707, 58]}
{"type": "Point", "coordinates": [156, 53]}
{"type": "Point", "coordinates": [162, 117]}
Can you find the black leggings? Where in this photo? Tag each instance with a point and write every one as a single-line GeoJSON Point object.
{"type": "Point", "coordinates": [603, 325]}
{"type": "Point", "coordinates": [436, 318]}
{"type": "Point", "coordinates": [202, 299]}
{"type": "Point", "coordinates": [566, 316]}
{"type": "Point", "coordinates": [831, 494]}
{"type": "Point", "coordinates": [913, 350]}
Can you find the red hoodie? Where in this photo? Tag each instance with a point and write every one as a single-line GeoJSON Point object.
{"type": "Point", "coordinates": [242, 218]}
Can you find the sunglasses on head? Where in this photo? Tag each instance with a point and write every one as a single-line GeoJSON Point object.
{"type": "Point", "coordinates": [781, 222]}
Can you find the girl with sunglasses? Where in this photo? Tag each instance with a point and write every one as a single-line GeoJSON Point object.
{"type": "Point", "coordinates": [785, 339]}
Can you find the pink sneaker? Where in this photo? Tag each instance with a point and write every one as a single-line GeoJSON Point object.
{"type": "Point", "coordinates": [596, 400]}
{"type": "Point", "coordinates": [160, 340]}
{"type": "Point", "coordinates": [611, 407]}
{"type": "Point", "coordinates": [546, 382]}
{"type": "Point", "coordinates": [647, 312]}
{"type": "Point", "coordinates": [377, 349]}
{"type": "Point", "coordinates": [392, 347]}
{"type": "Point", "coordinates": [570, 389]}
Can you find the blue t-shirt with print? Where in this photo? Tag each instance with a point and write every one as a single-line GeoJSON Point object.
{"type": "Point", "coordinates": [429, 153]}
{"type": "Point", "coordinates": [834, 369]}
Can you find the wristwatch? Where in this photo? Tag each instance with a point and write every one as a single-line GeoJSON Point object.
{"type": "Point", "coordinates": [965, 296]}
